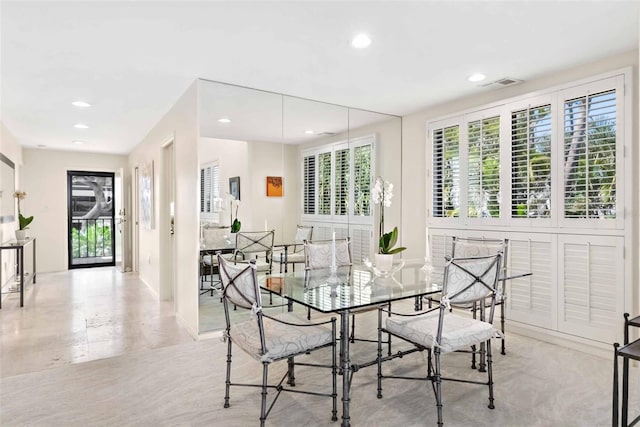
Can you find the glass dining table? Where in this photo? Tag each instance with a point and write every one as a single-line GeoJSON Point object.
{"type": "Point", "coordinates": [351, 289]}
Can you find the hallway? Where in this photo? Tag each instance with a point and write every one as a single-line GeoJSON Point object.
{"type": "Point", "coordinates": [81, 315]}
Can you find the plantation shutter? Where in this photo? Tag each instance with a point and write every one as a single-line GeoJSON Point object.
{"type": "Point", "coordinates": [590, 156]}
{"type": "Point", "coordinates": [203, 190]}
{"type": "Point", "coordinates": [591, 292]}
{"type": "Point", "coordinates": [484, 168]}
{"type": "Point", "coordinates": [342, 182]}
{"type": "Point", "coordinates": [532, 299]}
{"type": "Point", "coordinates": [362, 180]}
{"type": "Point", "coordinates": [360, 244]}
{"type": "Point", "coordinates": [446, 172]}
{"type": "Point", "coordinates": [215, 182]}
{"type": "Point", "coordinates": [309, 185]}
{"type": "Point", "coordinates": [531, 162]}
{"type": "Point", "coordinates": [324, 184]}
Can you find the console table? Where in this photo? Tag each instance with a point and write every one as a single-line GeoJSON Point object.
{"type": "Point", "coordinates": [14, 245]}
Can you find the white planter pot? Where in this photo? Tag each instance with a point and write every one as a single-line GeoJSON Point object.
{"type": "Point", "coordinates": [21, 235]}
{"type": "Point", "coordinates": [384, 262]}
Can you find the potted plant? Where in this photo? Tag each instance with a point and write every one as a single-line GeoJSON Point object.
{"type": "Point", "coordinates": [235, 223]}
{"type": "Point", "coordinates": [382, 193]}
{"type": "Point", "coordinates": [23, 222]}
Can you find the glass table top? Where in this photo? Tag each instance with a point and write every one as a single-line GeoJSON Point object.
{"type": "Point", "coordinates": [354, 287]}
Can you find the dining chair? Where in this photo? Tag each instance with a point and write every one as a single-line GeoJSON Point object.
{"type": "Point", "coordinates": [441, 331]}
{"type": "Point", "coordinates": [256, 246]}
{"type": "Point", "coordinates": [318, 256]}
{"type": "Point", "coordinates": [269, 339]}
{"type": "Point", "coordinates": [464, 247]}
{"type": "Point", "coordinates": [295, 252]}
{"type": "Point", "coordinates": [215, 238]}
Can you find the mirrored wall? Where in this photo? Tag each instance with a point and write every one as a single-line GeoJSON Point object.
{"type": "Point", "coordinates": [274, 161]}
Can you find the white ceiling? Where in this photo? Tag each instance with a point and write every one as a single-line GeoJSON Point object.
{"type": "Point", "coordinates": [132, 60]}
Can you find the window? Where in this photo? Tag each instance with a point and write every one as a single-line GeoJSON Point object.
{"type": "Point", "coordinates": [337, 179]}
{"type": "Point", "coordinates": [446, 172]}
{"type": "Point", "coordinates": [209, 188]}
{"type": "Point", "coordinates": [531, 162]}
{"type": "Point", "coordinates": [484, 168]}
{"type": "Point", "coordinates": [590, 156]}
{"type": "Point", "coordinates": [553, 159]}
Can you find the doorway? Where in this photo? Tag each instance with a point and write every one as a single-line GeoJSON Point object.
{"type": "Point", "coordinates": [91, 219]}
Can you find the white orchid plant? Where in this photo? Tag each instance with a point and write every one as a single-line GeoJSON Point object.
{"type": "Point", "coordinates": [381, 194]}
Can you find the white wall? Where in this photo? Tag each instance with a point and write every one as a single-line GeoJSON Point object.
{"type": "Point", "coordinates": [179, 123]}
{"type": "Point", "coordinates": [43, 176]}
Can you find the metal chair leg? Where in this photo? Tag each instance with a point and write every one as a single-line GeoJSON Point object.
{"type": "Point", "coordinates": [228, 380]}
{"type": "Point", "coordinates": [263, 408]}
{"type": "Point", "coordinates": [490, 374]}
{"type": "Point", "coordinates": [379, 395]}
{"type": "Point", "coordinates": [438, 385]}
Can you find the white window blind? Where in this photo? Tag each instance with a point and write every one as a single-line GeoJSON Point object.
{"type": "Point", "coordinates": [209, 187]}
{"type": "Point", "coordinates": [484, 168]}
{"type": "Point", "coordinates": [342, 177]}
{"type": "Point", "coordinates": [309, 182]}
{"type": "Point", "coordinates": [590, 156]}
{"type": "Point", "coordinates": [531, 162]}
{"type": "Point", "coordinates": [362, 180]}
{"type": "Point", "coordinates": [446, 171]}
{"type": "Point", "coordinates": [324, 184]}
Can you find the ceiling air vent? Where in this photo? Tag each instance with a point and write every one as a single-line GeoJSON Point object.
{"type": "Point", "coordinates": [325, 134]}
{"type": "Point", "coordinates": [505, 81]}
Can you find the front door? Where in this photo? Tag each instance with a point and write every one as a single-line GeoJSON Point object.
{"type": "Point", "coordinates": [91, 219]}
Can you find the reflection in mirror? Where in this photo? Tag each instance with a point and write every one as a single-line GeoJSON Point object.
{"type": "Point", "coordinates": [325, 156]}
{"type": "Point", "coordinates": [7, 188]}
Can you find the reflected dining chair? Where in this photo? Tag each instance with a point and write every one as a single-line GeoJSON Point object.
{"type": "Point", "coordinates": [269, 339]}
{"type": "Point", "coordinates": [441, 331]}
{"type": "Point", "coordinates": [295, 253]}
{"type": "Point", "coordinates": [215, 239]}
{"type": "Point", "coordinates": [256, 246]}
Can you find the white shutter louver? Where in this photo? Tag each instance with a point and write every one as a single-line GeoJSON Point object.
{"type": "Point", "coordinates": [592, 286]}
{"type": "Point", "coordinates": [362, 180]}
{"type": "Point", "coordinates": [590, 156]}
{"type": "Point", "coordinates": [531, 299]}
{"type": "Point", "coordinates": [324, 184]}
{"type": "Point", "coordinates": [531, 162]}
{"type": "Point", "coordinates": [484, 168]}
{"type": "Point", "coordinates": [342, 182]}
{"type": "Point", "coordinates": [446, 172]}
{"type": "Point", "coordinates": [309, 183]}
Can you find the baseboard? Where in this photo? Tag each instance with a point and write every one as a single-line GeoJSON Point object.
{"type": "Point", "coordinates": [153, 291]}
{"type": "Point", "coordinates": [185, 324]}
{"type": "Point", "coordinates": [573, 342]}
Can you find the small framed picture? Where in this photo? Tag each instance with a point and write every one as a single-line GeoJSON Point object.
{"type": "Point", "coordinates": [274, 186]}
{"type": "Point", "coordinates": [234, 187]}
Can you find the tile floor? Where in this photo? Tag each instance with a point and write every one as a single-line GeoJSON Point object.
{"type": "Point", "coordinates": [82, 315]}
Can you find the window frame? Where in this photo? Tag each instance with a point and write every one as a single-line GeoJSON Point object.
{"type": "Point", "coordinates": [332, 148]}
{"type": "Point", "coordinates": [555, 96]}
{"type": "Point", "coordinates": [214, 212]}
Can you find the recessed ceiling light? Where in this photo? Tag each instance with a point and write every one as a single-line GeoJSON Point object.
{"type": "Point", "coordinates": [80, 126]}
{"type": "Point", "coordinates": [361, 41]}
{"type": "Point", "coordinates": [78, 142]}
{"type": "Point", "coordinates": [42, 146]}
{"type": "Point", "coordinates": [308, 132]}
{"type": "Point", "coordinates": [476, 77]}
{"type": "Point", "coordinates": [81, 104]}
{"type": "Point", "coordinates": [224, 120]}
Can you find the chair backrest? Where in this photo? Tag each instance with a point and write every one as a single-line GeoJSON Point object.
{"type": "Point", "coordinates": [249, 242]}
{"type": "Point", "coordinates": [466, 247]}
{"type": "Point", "coordinates": [239, 283]}
{"type": "Point", "coordinates": [473, 279]}
{"type": "Point", "coordinates": [317, 254]}
{"type": "Point", "coordinates": [240, 288]}
{"type": "Point", "coordinates": [303, 233]}
{"type": "Point", "coordinates": [216, 237]}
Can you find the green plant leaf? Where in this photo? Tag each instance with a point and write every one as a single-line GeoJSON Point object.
{"type": "Point", "coordinates": [24, 222]}
{"type": "Point", "coordinates": [235, 226]}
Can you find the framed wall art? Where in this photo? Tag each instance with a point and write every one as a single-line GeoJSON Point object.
{"type": "Point", "coordinates": [274, 186]}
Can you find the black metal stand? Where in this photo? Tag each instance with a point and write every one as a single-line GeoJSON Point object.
{"type": "Point", "coordinates": [20, 272]}
{"type": "Point", "coordinates": [629, 351]}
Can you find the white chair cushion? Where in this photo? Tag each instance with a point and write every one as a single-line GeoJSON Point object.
{"type": "Point", "coordinates": [261, 264]}
{"type": "Point", "coordinates": [281, 340]}
{"type": "Point", "coordinates": [296, 257]}
{"type": "Point", "coordinates": [457, 331]}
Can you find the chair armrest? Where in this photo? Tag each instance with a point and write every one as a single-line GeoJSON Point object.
{"type": "Point", "coordinates": [326, 322]}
